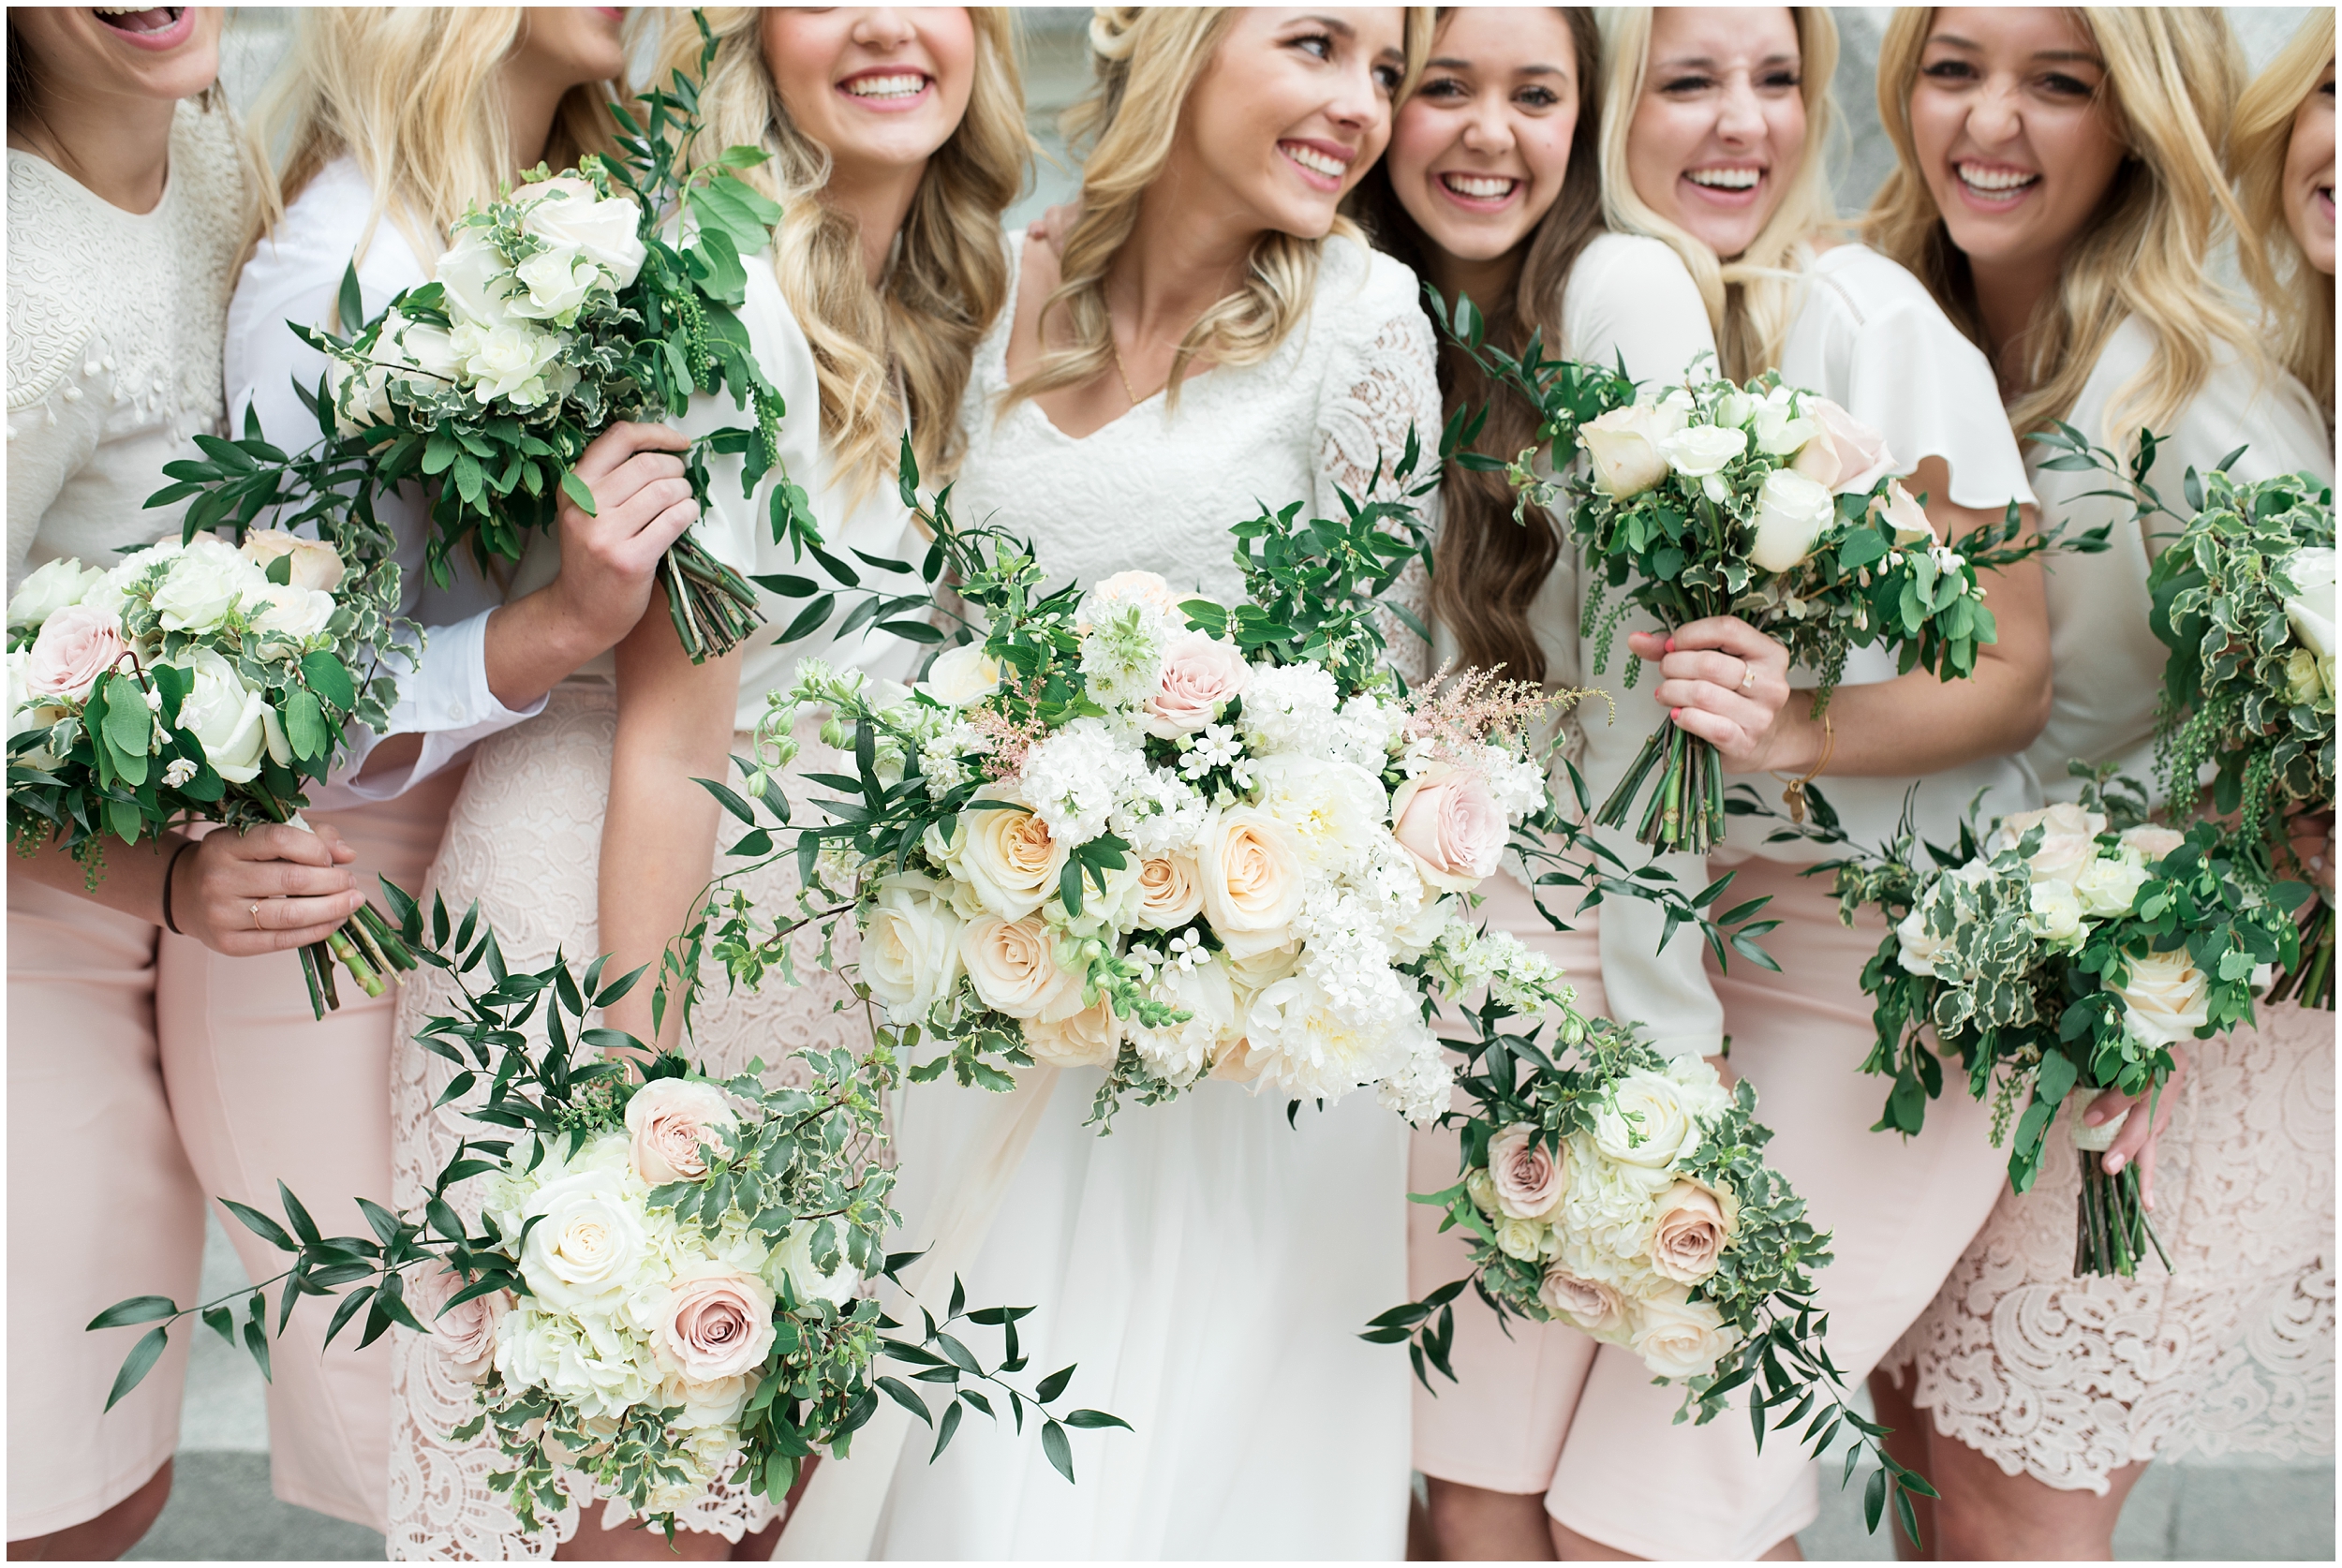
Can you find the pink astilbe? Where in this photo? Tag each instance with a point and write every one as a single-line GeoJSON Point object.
{"type": "Point", "coordinates": [1011, 738]}
{"type": "Point", "coordinates": [1457, 712]}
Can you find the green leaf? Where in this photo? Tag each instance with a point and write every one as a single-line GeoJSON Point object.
{"type": "Point", "coordinates": [1054, 1445]}
{"type": "Point", "coordinates": [329, 677]}
{"type": "Point", "coordinates": [943, 1433]}
{"type": "Point", "coordinates": [1054, 1385]}
{"type": "Point", "coordinates": [579, 493]}
{"type": "Point", "coordinates": [139, 1362]}
{"type": "Point", "coordinates": [1087, 1418]}
{"type": "Point", "coordinates": [902, 1394]}
{"type": "Point", "coordinates": [262, 1226]}
{"type": "Point", "coordinates": [305, 726]}
{"type": "Point", "coordinates": [139, 1309]}
{"type": "Point", "coordinates": [352, 303]}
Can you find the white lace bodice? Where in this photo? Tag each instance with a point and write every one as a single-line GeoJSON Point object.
{"type": "Point", "coordinates": [115, 321]}
{"type": "Point", "coordinates": [1157, 489]}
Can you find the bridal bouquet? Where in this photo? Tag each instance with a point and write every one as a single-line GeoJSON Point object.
{"type": "Point", "coordinates": [563, 307]}
{"type": "Point", "coordinates": [665, 1289]}
{"type": "Point", "coordinates": [206, 681]}
{"type": "Point", "coordinates": [2060, 957]}
{"type": "Point", "coordinates": [2245, 600]}
{"type": "Point", "coordinates": [1169, 838]}
{"type": "Point", "coordinates": [1758, 500]}
{"type": "Point", "coordinates": [1624, 1193]}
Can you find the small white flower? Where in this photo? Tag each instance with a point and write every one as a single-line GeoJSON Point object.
{"type": "Point", "coordinates": [178, 772]}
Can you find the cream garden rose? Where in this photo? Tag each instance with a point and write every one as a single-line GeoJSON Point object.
{"type": "Point", "coordinates": [1679, 1337]}
{"type": "Point", "coordinates": [1252, 879]}
{"type": "Point", "coordinates": [229, 721]}
{"type": "Point", "coordinates": [2109, 883]}
{"type": "Point", "coordinates": [793, 1260]}
{"type": "Point", "coordinates": [1012, 965]}
{"type": "Point", "coordinates": [584, 1253]}
{"type": "Point", "coordinates": [566, 210]}
{"type": "Point", "coordinates": [1591, 1306]}
{"type": "Point", "coordinates": [2068, 840]}
{"type": "Point", "coordinates": [1092, 1037]}
{"type": "Point", "coordinates": [1645, 1126]}
{"type": "Point", "coordinates": [910, 946]}
{"type": "Point", "coordinates": [1006, 855]}
{"type": "Point", "coordinates": [1622, 447]}
{"type": "Point", "coordinates": [961, 677]}
{"type": "Point", "coordinates": [1844, 456]}
{"type": "Point", "coordinates": [202, 589]}
{"type": "Point", "coordinates": [1702, 449]}
{"type": "Point", "coordinates": [2166, 1000]}
{"type": "Point", "coordinates": [1691, 1227]}
{"type": "Point", "coordinates": [1530, 1178]}
{"type": "Point", "coordinates": [466, 1333]}
{"type": "Point", "coordinates": [316, 565]}
{"type": "Point", "coordinates": [1170, 892]}
{"type": "Point", "coordinates": [1792, 514]}
{"type": "Point", "coordinates": [1903, 514]}
{"type": "Point", "coordinates": [48, 588]}
{"type": "Point", "coordinates": [668, 1120]}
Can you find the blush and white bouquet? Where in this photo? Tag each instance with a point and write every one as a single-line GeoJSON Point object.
{"type": "Point", "coordinates": [1625, 1193]}
{"type": "Point", "coordinates": [1169, 837]}
{"type": "Point", "coordinates": [2054, 956]}
{"type": "Point", "coordinates": [664, 1289]}
{"type": "Point", "coordinates": [602, 294]}
{"type": "Point", "coordinates": [205, 681]}
{"type": "Point", "coordinates": [1755, 499]}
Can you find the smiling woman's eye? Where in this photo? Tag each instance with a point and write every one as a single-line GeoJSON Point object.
{"type": "Point", "coordinates": [1536, 98]}
{"type": "Point", "coordinates": [1387, 78]}
{"type": "Point", "coordinates": [1319, 44]}
{"type": "Point", "coordinates": [2058, 84]}
{"type": "Point", "coordinates": [1442, 87]}
{"type": "Point", "coordinates": [1952, 71]}
{"type": "Point", "coordinates": [1686, 84]}
{"type": "Point", "coordinates": [1782, 79]}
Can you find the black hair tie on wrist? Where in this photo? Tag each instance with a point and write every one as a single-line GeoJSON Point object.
{"type": "Point", "coordinates": [168, 872]}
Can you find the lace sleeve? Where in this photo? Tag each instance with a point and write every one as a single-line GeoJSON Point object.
{"type": "Point", "coordinates": [1373, 398]}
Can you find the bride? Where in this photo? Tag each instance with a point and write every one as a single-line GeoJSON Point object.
{"type": "Point", "coordinates": [1210, 336]}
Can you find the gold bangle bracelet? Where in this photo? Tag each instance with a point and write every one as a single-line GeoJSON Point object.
{"type": "Point", "coordinates": [1794, 796]}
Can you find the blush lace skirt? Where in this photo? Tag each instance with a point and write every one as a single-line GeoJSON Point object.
{"type": "Point", "coordinates": [525, 840]}
{"type": "Point", "coordinates": [2067, 1380]}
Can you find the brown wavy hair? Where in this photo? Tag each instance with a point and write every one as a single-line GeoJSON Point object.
{"type": "Point", "coordinates": [1488, 568]}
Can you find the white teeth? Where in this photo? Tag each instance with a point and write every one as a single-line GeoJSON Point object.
{"type": "Point", "coordinates": [887, 86]}
{"type": "Point", "coordinates": [1314, 161]}
{"type": "Point", "coordinates": [1724, 179]}
{"type": "Point", "coordinates": [1486, 187]}
{"type": "Point", "coordinates": [1976, 177]}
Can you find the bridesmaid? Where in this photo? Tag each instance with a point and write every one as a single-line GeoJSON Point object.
{"type": "Point", "coordinates": [2059, 186]}
{"type": "Point", "coordinates": [1491, 189]}
{"type": "Point", "coordinates": [1209, 335]}
{"type": "Point", "coordinates": [379, 158]}
{"type": "Point", "coordinates": [127, 200]}
{"type": "Point", "coordinates": [2282, 149]}
{"type": "Point", "coordinates": [1713, 132]}
{"type": "Point", "coordinates": [581, 830]}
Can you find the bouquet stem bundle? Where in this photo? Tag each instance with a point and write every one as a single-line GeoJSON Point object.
{"type": "Point", "coordinates": [1687, 810]}
{"type": "Point", "coordinates": [2111, 1233]}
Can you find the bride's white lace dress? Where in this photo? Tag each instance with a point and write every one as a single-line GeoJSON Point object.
{"type": "Point", "coordinates": [1207, 1266]}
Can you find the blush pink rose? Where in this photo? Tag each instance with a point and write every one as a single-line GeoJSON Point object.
{"type": "Point", "coordinates": [717, 1323]}
{"type": "Point", "coordinates": [667, 1121]}
{"type": "Point", "coordinates": [1589, 1304]}
{"type": "Point", "coordinates": [1845, 454]}
{"type": "Point", "coordinates": [1448, 821]}
{"type": "Point", "coordinates": [76, 646]}
{"type": "Point", "coordinates": [464, 1332]}
{"type": "Point", "coordinates": [1690, 1233]}
{"type": "Point", "coordinates": [1529, 1179]}
{"type": "Point", "coordinates": [1199, 674]}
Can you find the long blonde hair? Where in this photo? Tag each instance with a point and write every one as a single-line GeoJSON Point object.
{"type": "Point", "coordinates": [2298, 299]}
{"type": "Point", "coordinates": [412, 94]}
{"type": "Point", "coordinates": [948, 277]}
{"type": "Point", "coordinates": [1751, 298]}
{"type": "Point", "coordinates": [2172, 79]}
{"type": "Point", "coordinates": [1147, 60]}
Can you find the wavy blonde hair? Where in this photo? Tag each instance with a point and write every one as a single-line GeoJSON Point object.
{"type": "Point", "coordinates": [412, 94]}
{"type": "Point", "coordinates": [1752, 297]}
{"type": "Point", "coordinates": [2171, 82]}
{"type": "Point", "coordinates": [1145, 61]}
{"type": "Point", "coordinates": [2299, 300]}
{"type": "Point", "coordinates": [948, 276]}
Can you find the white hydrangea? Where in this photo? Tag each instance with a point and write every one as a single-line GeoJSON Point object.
{"type": "Point", "coordinates": [1421, 1090]}
{"type": "Point", "coordinates": [1312, 1047]}
{"type": "Point", "coordinates": [1291, 709]}
{"type": "Point", "coordinates": [1158, 813]}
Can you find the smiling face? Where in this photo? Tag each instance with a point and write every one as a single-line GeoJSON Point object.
{"type": "Point", "coordinates": [1479, 154]}
{"type": "Point", "coordinates": [881, 88]}
{"type": "Point", "coordinates": [169, 51]}
{"type": "Point", "coordinates": [568, 46]}
{"type": "Point", "coordinates": [2309, 175]}
{"type": "Point", "coordinates": [2014, 134]}
{"type": "Point", "coordinates": [1293, 107]}
{"type": "Point", "coordinates": [1718, 135]}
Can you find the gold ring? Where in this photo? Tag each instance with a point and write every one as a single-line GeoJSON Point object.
{"type": "Point", "coordinates": [256, 917]}
{"type": "Point", "coordinates": [1748, 676]}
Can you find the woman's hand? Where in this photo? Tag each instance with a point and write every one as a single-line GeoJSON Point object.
{"type": "Point", "coordinates": [2311, 833]}
{"type": "Point", "coordinates": [2136, 1142]}
{"type": "Point", "coordinates": [267, 891]}
{"type": "Point", "coordinates": [1052, 227]}
{"type": "Point", "coordinates": [609, 561]}
{"type": "Point", "coordinates": [1724, 680]}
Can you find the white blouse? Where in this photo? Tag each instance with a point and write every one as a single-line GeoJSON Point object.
{"type": "Point", "coordinates": [114, 327]}
{"type": "Point", "coordinates": [737, 529]}
{"type": "Point", "coordinates": [2106, 660]}
{"type": "Point", "coordinates": [295, 275]}
{"type": "Point", "coordinates": [1868, 336]}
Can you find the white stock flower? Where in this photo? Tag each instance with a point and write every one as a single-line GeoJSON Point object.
{"type": "Point", "coordinates": [1075, 777]}
{"type": "Point", "coordinates": [50, 588]}
{"type": "Point", "coordinates": [1307, 1046]}
{"type": "Point", "coordinates": [224, 718]}
{"type": "Point", "coordinates": [910, 946]}
{"type": "Point", "coordinates": [1290, 708]}
{"type": "Point", "coordinates": [1792, 514]}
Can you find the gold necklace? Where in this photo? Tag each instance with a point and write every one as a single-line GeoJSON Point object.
{"type": "Point", "coordinates": [1125, 375]}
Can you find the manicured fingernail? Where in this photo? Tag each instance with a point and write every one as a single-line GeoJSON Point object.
{"type": "Point", "coordinates": [1671, 644]}
{"type": "Point", "coordinates": [2114, 1163]}
{"type": "Point", "coordinates": [2093, 1117]}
